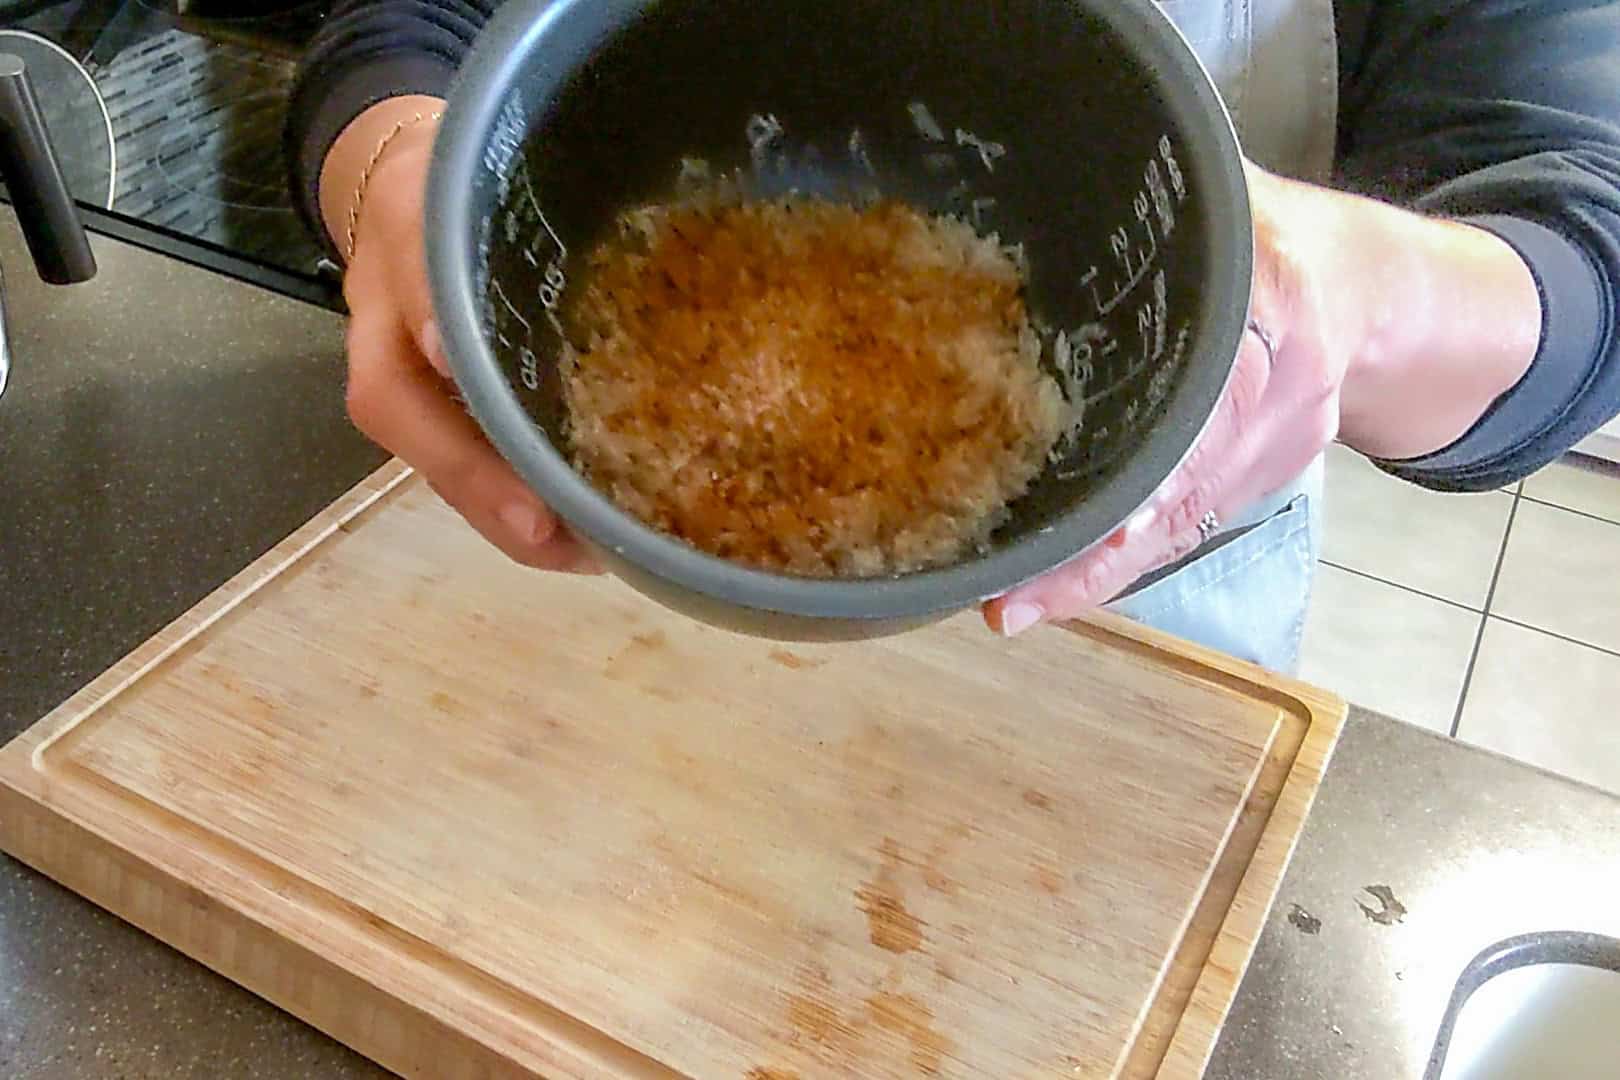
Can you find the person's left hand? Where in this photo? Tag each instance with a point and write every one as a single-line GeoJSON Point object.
{"type": "Point", "coordinates": [1275, 416]}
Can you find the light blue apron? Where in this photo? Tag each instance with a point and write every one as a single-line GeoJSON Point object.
{"type": "Point", "coordinates": [1246, 590]}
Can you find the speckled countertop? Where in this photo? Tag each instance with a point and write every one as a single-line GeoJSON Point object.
{"type": "Point", "coordinates": [166, 425]}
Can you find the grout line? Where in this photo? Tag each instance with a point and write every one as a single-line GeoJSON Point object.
{"type": "Point", "coordinates": [1555, 634]}
{"type": "Point", "coordinates": [1485, 616]}
{"type": "Point", "coordinates": [1572, 510]}
{"type": "Point", "coordinates": [1405, 588]}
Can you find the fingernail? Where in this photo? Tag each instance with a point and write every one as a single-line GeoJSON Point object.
{"type": "Point", "coordinates": [1016, 618]}
{"type": "Point", "coordinates": [524, 519]}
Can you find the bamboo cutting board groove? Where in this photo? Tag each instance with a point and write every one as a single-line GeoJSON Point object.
{"type": "Point", "coordinates": [476, 821]}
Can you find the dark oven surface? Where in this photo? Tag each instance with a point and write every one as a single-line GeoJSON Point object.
{"type": "Point", "coordinates": [195, 93]}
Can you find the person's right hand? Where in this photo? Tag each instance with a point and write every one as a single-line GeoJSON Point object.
{"type": "Point", "coordinates": [400, 391]}
{"type": "Point", "coordinates": [1391, 330]}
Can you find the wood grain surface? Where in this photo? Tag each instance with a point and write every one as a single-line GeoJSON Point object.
{"type": "Point", "coordinates": [477, 821]}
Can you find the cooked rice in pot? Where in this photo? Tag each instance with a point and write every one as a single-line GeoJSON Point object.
{"type": "Point", "coordinates": [806, 386]}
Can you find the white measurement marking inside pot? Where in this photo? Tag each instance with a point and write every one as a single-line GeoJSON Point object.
{"type": "Point", "coordinates": [505, 142]}
{"type": "Point", "coordinates": [924, 122]}
{"type": "Point", "coordinates": [1178, 183]}
{"type": "Point", "coordinates": [988, 150]}
{"type": "Point", "coordinates": [548, 245]}
{"type": "Point", "coordinates": [1137, 255]}
{"type": "Point", "coordinates": [1134, 245]}
{"type": "Point", "coordinates": [545, 253]}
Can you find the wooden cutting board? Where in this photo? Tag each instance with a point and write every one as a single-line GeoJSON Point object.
{"type": "Point", "coordinates": [477, 821]}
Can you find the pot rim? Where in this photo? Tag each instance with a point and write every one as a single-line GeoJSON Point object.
{"type": "Point", "coordinates": [571, 31]}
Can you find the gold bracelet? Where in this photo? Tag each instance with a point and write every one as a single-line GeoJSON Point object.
{"type": "Point", "coordinates": [365, 174]}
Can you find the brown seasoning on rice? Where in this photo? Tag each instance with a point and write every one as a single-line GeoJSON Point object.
{"type": "Point", "coordinates": [808, 387]}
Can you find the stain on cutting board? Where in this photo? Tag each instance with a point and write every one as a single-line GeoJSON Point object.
{"type": "Point", "coordinates": [794, 662]}
{"type": "Point", "coordinates": [841, 1039]}
{"type": "Point", "coordinates": [1038, 799]}
{"type": "Point", "coordinates": [891, 926]}
{"type": "Point", "coordinates": [648, 663]}
{"type": "Point", "coordinates": [447, 704]}
{"type": "Point", "coordinates": [909, 1018]}
{"type": "Point", "coordinates": [933, 864]}
{"type": "Point", "coordinates": [1046, 877]}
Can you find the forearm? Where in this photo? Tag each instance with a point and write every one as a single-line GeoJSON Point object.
{"type": "Point", "coordinates": [368, 53]}
{"type": "Point", "coordinates": [385, 127]}
{"type": "Point", "coordinates": [1428, 321]}
{"type": "Point", "coordinates": [1502, 116]}
{"type": "Point", "coordinates": [1450, 320]}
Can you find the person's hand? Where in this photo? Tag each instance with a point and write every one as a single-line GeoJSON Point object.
{"type": "Point", "coordinates": [400, 392]}
{"type": "Point", "coordinates": [1396, 330]}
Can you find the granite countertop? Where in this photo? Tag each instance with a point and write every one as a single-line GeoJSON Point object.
{"type": "Point", "coordinates": [166, 425]}
{"type": "Point", "coordinates": [1419, 852]}
{"type": "Point", "coordinates": [163, 427]}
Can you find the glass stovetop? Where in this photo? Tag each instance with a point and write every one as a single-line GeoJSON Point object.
{"type": "Point", "coordinates": [193, 93]}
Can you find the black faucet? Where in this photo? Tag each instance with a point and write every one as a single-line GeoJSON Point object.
{"type": "Point", "coordinates": [50, 222]}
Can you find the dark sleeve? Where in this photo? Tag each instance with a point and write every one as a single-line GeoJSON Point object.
{"type": "Point", "coordinates": [1506, 114]}
{"type": "Point", "coordinates": [366, 51]}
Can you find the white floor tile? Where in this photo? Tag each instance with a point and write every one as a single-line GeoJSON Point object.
{"type": "Point", "coordinates": [1592, 488]}
{"type": "Point", "coordinates": [1445, 545]}
{"type": "Point", "coordinates": [1546, 701]}
{"type": "Point", "coordinates": [1387, 648]}
{"type": "Point", "coordinates": [1562, 573]}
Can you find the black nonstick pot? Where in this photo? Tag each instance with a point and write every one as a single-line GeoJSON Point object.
{"type": "Point", "coordinates": [1084, 130]}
